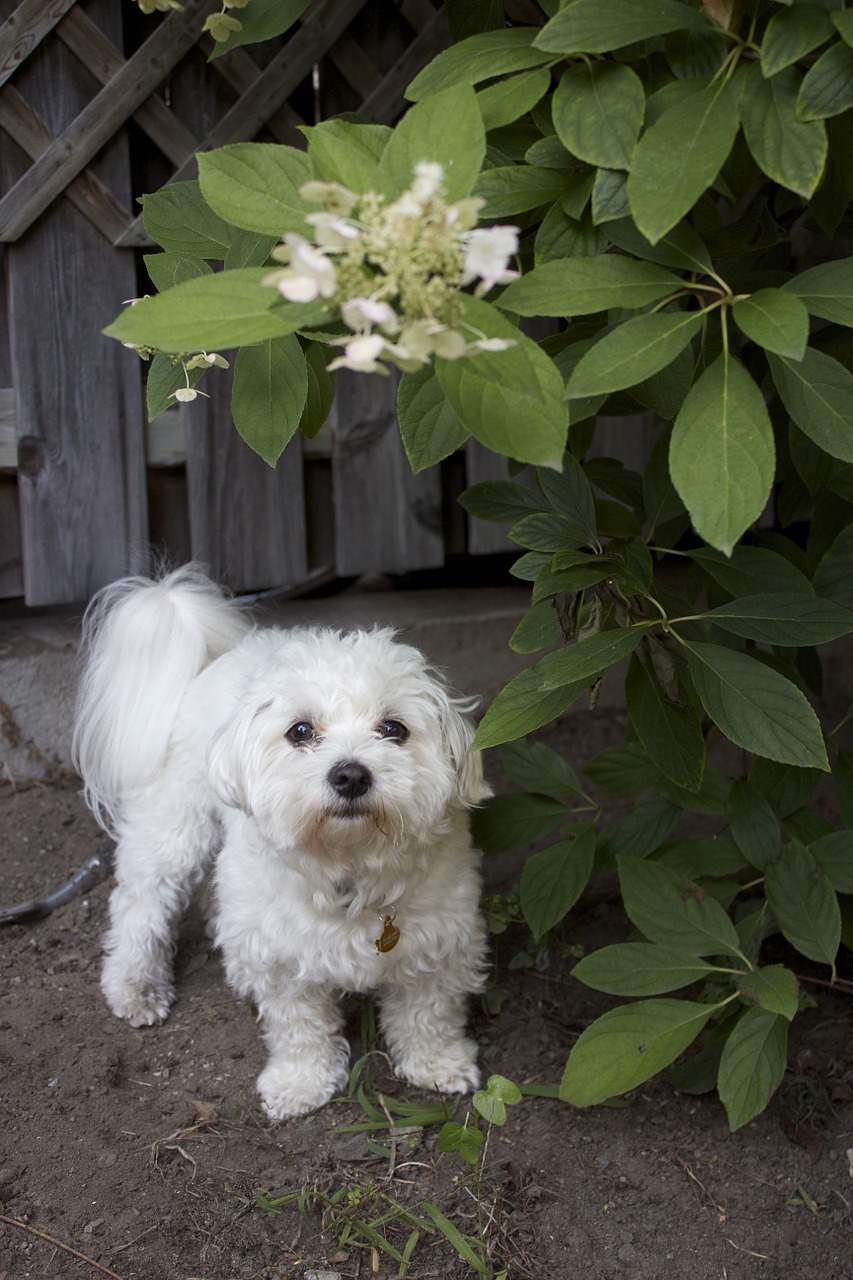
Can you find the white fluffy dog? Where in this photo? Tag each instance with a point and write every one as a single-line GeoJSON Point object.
{"type": "Point", "coordinates": [328, 774]}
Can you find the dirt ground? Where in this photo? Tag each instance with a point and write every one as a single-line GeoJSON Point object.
{"type": "Point", "coordinates": [139, 1154]}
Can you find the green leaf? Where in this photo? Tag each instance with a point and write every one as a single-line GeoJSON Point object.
{"type": "Point", "coordinates": [610, 196]}
{"type": "Point", "coordinates": [681, 248]}
{"type": "Point", "coordinates": [789, 150]}
{"type": "Point", "coordinates": [511, 400]}
{"type": "Point", "coordinates": [429, 428]}
{"type": "Point", "coordinates": [465, 1139]}
{"type": "Point", "coordinates": [501, 501]}
{"type": "Point", "coordinates": [670, 732]}
{"type": "Point", "coordinates": [582, 286]}
{"type": "Point", "coordinates": [773, 988]}
{"type": "Point", "coordinates": [722, 455]}
{"type": "Point", "coordinates": [804, 902]}
{"type": "Point", "coordinates": [640, 969]}
{"type": "Point", "coordinates": [817, 391]}
{"type": "Point", "coordinates": [792, 33]}
{"type": "Point", "coordinates": [479, 57]}
{"type": "Point", "coordinates": [214, 312]}
{"type": "Point", "coordinates": [553, 879]}
{"type": "Point", "coordinates": [628, 1046]}
{"type": "Point", "coordinates": [538, 629]}
{"type": "Point", "coordinates": [178, 218]}
{"type": "Point", "coordinates": [753, 824]}
{"type": "Point", "coordinates": [515, 188]}
{"type": "Point", "coordinates": [535, 766]}
{"type": "Point", "coordinates": [588, 27]}
{"type": "Point", "coordinates": [168, 269]}
{"type": "Point", "coordinates": [256, 185]}
{"type": "Point", "coordinates": [769, 319]}
{"type": "Point", "coordinates": [515, 821]}
{"type": "Point", "coordinates": [696, 856]}
{"type": "Point", "coordinates": [787, 620]}
{"type": "Point", "coordinates": [633, 351]}
{"type": "Point", "coordinates": [492, 1102]}
{"type": "Point", "coordinates": [269, 394]}
{"type": "Point", "coordinates": [622, 771]}
{"type": "Point", "coordinates": [445, 128]}
{"type": "Point", "coordinates": [321, 390]}
{"type": "Point", "coordinates": [165, 376]}
{"type": "Point", "coordinates": [500, 104]}
{"type": "Point", "coordinates": [785, 788]}
{"type": "Point", "coordinates": [827, 290]}
{"type": "Point", "coordinates": [755, 707]}
{"type": "Point", "coordinates": [261, 20]}
{"type": "Point", "coordinates": [843, 785]}
{"type": "Point", "coordinates": [348, 153]}
{"type": "Point", "coordinates": [834, 855]}
{"type": "Point", "coordinates": [588, 658]}
{"type": "Point", "coordinates": [827, 87]}
{"type": "Point", "coordinates": [569, 493]}
{"type": "Point", "coordinates": [645, 829]}
{"type": "Point", "coordinates": [598, 112]}
{"type": "Point", "coordinates": [752, 1065]}
{"type": "Point", "coordinates": [455, 1237]}
{"type": "Point", "coordinates": [671, 909]}
{"type": "Point", "coordinates": [522, 706]}
{"type": "Point", "coordinates": [679, 156]}
{"type": "Point", "coordinates": [834, 574]}
{"type": "Point", "coordinates": [752, 571]}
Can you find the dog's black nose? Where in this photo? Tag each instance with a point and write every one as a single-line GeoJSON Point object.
{"type": "Point", "coordinates": [350, 779]}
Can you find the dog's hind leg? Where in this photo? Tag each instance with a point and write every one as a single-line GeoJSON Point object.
{"type": "Point", "coordinates": [162, 853]}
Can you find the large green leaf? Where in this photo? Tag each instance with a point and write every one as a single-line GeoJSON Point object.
{"type": "Point", "coordinates": [681, 248]}
{"type": "Point", "coordinates": [834, 854]}
{"type": "Point", "coordinates": [348, 153]}
{"type": "Point", "coordinates": [535, 766]}
{"type": "Point", "coordinates": [511, 400]}
{"type": "Point", "coordinates": [805, 903]}
{"type": "Point", "coordinates": [512, 189]}
{"type": "Point", "coordinates": [755, 707]}
{"type": "Point", "coordinates": [817, 391]}
{"type": "Point", "coordinates": [632, 352]}
{"type": "Point", "coordinates": [502, 501]}
{"type": "Point", "coordinates": [214, 312]}
{"type": "Point", "coordinates": [773, 988]}
{"type": "Point", "coordinates": [553, 879]}
{"type": "Point", "coordinates": [269, 394]}
{"type": "Point", "coordinates": [429, 428]}
{"type": "Point", "coordinates": [752, 571]}
{"type": "Point", "coordinates": [834, 574]}
{"type": "Point", "coordinates": [768, 317]}
{"type": "Point", "coordinates": [752, 1065]}
{"type": "Point", "coordinates": [722, 454]}
{"type": "Point", "coordinates": [784, 619]}
{"type": "Point", "coordinates": [670, 731]}
{"type": "Point", "coordinates": [791, 151]}
{"type": "Point", "coordinates": [255, 185]}
{"type": "Point", "coordinates": [582, 286]}
{"type": "Point", "coordinates": [502, 103]}
{"type": "Point", "coordinates": [588, 658]}
{"type": "Point", "coordinates": [261, 20]}
{"type": "Point", "coordinates": [629, 1045]}
{"type": "Point", "coordinates": [827, 290]}
{"type": "Point", "coordinates": [753, 824]}
{"type": "Point", "coordinates": [669, 908]}
{"type": "Point", "coordinates": [679, 156]}
{"type": "Point", "coordinates": [480, 57]}
{"type": "Point", "coordinates": [640, 969]}
{"type": "Point", "coordinates": [168, 269]}
{"type": "Point", "coordinates": [165, 376]}
{"type": "Point", "coordinates": [515, 820]}
{"type": "Point", "coordinates": [180, 219]}
{"type": "Point", "coordinates": [598, 112]}
{"type": "Point", "coordinates": [791, 33]}
{"type": "Point", "coordinates": [445, 128]}
{"type": "Point", "coordinates": [587, 26]}
{"type": "Point", "coordinates": [827, 88]}
{"type": "Point", "coordinates": [522, 706]}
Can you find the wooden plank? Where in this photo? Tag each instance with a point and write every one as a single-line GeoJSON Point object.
{"type": "Point", "coordinates": [239, 71]}
{"type": "Point", "coordinates": [85, 39]}
{"type": "Point", "coordinates": [384, 104]}
{"type": "Point", "coordinates": [247, 520]}
{"type": "Point", "coordinates": [81, 475]}
{"type": "Point", "coordinates": [99, 120]}
{"type": "Point", "coordinates": [87, 193]}
{"type": "Point", "coordinates": [24, 30]}
{"type": "Point", "coordinates": [386, 519]}
{"type": "Point", "coordinates": [11, 563]}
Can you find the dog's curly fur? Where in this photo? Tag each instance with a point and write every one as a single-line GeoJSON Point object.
{"type": "Point", "coordinates": [326, 778]}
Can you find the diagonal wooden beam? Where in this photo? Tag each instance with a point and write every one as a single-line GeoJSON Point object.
{"type": "Point", "coordinates": [25, 29]}
{"type": "Point", "coordinates": [98, 121]}
{"type": "Point", "coordinates": [384, 103]}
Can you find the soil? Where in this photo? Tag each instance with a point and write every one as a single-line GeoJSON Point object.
{"type": "Point", "coordinates": [140, 1154]}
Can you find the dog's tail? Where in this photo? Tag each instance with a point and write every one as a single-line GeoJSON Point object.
{"type": "Point", "coordinates": [144, 641]}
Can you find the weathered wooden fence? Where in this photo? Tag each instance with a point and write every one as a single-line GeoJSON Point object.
{"type": "Point", "coordinates": [98, 105]}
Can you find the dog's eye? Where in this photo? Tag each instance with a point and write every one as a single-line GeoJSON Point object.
{"type": "Point", "coordinates": [301, 733]}
{"type": "Point", "coordinates": [394, 730]}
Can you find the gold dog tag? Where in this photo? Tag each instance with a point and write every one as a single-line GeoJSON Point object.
{"type": "Point", "coordinates": [390, 934]}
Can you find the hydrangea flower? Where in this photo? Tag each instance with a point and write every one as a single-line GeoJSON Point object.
{"type": "Point", "coordinates": [395, 271]}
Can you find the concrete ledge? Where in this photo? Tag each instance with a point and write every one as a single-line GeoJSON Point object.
{"type": "Point", "coordinates": [465, 632]}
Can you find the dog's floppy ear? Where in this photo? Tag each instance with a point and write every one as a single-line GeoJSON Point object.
{"type": "Point", "coordinates": [231, 760]}
{"type": "Point", "coordinates": [458, 730]}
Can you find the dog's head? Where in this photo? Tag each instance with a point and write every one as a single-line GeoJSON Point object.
{"type": "Point", "coordinates": [344, 741]}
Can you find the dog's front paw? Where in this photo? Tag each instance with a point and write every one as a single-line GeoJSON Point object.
{"type": "Point", "coordinates": [140, 1002]}
{"type": "Point", "coordinates": [291, 1090]}
{"type": "Point", "coordinates": [453, 1070]}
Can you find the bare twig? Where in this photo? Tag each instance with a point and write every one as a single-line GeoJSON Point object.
{"type": "Point", "coordinates": [42, 1235]}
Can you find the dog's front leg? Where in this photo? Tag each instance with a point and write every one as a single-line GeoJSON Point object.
{"type": "Point", "coordinates": [308, 1058]}
{"type": "Point", "coordinates": [423, 1022]}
